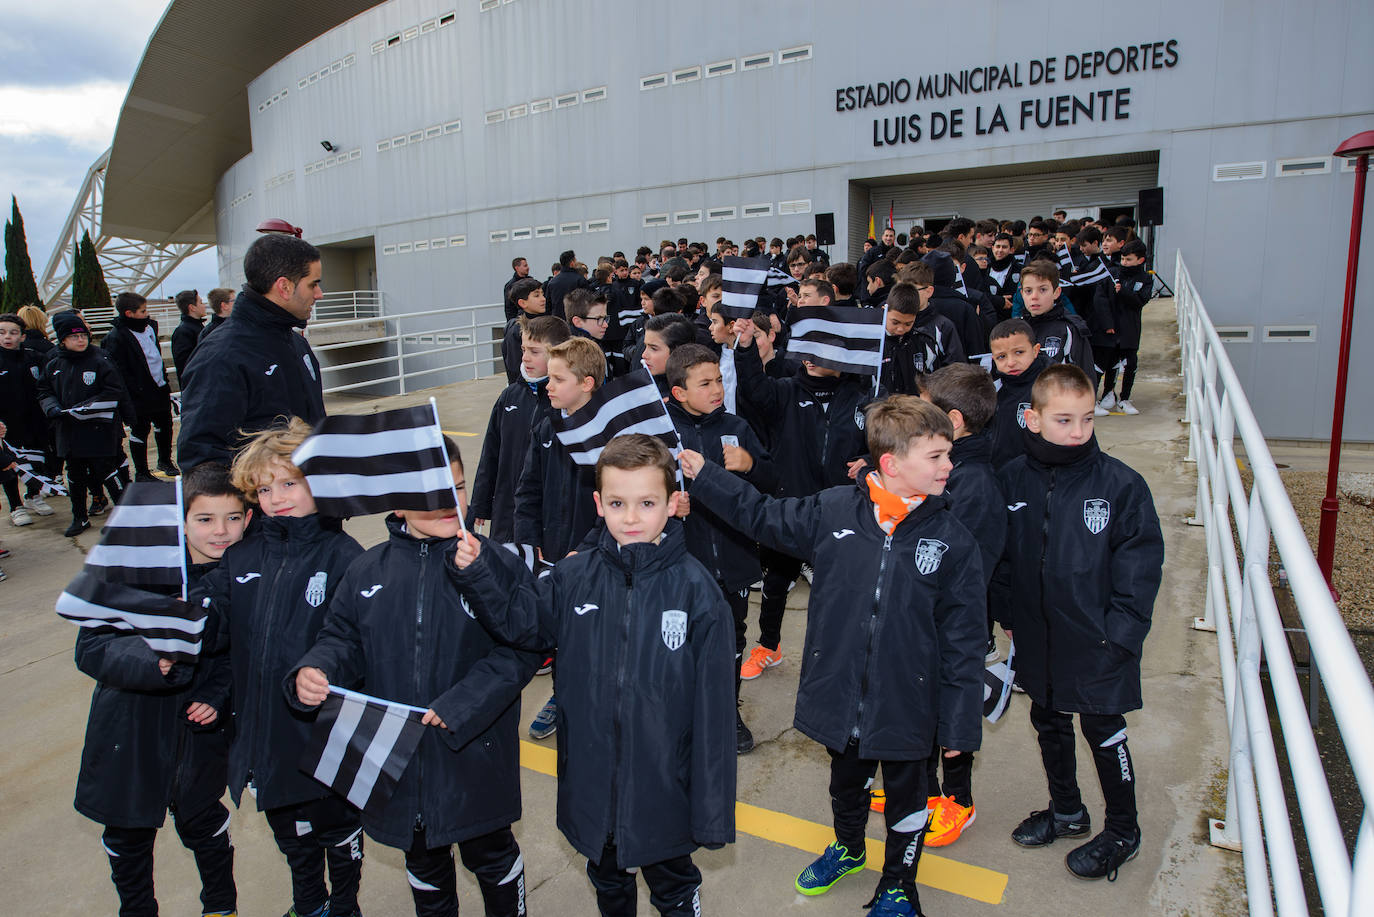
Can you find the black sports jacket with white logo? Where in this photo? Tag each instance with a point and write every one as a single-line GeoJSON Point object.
{"type": "Point", "coordinates": [513, 417]}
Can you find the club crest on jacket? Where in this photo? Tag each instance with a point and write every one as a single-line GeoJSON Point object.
{"type": "Point", "coordinates": [674, 629]}
{"type": "Point", "coordinates": [859, 418]}
{"type": "Point", "coordinates": [88, 377]}
{"type": "Point", "coordinates": [1095, 515]}
{"type": "Point", "coordinates": [314, 590]}
{"type": "Point", "coordinates": [928, 554]}
{"type": "Point", "coordinates": [1021, 410]}
{"type": "Point", "coordinates": [1051, 346]}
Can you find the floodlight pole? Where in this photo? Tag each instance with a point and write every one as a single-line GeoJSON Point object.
{"type": "Point", "coordinates": [1358, 148]}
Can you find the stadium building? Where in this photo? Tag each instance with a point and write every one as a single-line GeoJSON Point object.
{"type": "Point", "coordinates": [423, 144]}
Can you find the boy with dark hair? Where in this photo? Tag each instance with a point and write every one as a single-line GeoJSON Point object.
{"type": "Point", "coordinates": [883, 687]}
{"type": "Point", "coordinates": [815, 423]}
{"type": "Point", "coordinates": [169, 718]}
{"type": "Point", "coordinates": [22, 423]}
{"type": "Point", "coordinates": [972, 326]}
{"type": "Point", "coordinates": [1062, 335]}
{"type": "Point", "coordinates": [271, 592]}
{"type": "Point", "coordinates": [588, 319]}
{"type": "Point", "coordinates": [1113, 238]}
{"type": "Point", "coordinates": [514, 415]}
{"type": "Point", "coordinates": [1003, 274]}
{"type": "Point", "coordinates": [397, 626]}
{"type": "Point", "coordinates": [703, 425]}
{"type": "Point", "coordinates": [221, 307]}
{"type": "Point", "coordinates": [919, 340]}
{"type": "Point", "coordinates": [132, 345]}
{"type": "Point", "coordinates": [1037, 240]}
{"type": "Point", "coordinates": [622, 308]}
{"type": "Point", "coordinates": [647, 769]}
{"type": "Point", "coordinates": [187, 332]}
{"type": "Point", "coordinates": [1079, 643]}
{"type": "Point", "coordinates": [527, 296]}
{"type": "Point", "coordinates": [1017, 363]}
{"type": "Point", "coordinates": [1136, 287]}
{"type": "Point", "coordinates": [843, 278]}
{"type": "Point", "coordinates": [879, 276]}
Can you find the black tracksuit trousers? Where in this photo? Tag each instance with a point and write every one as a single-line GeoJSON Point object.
{"type": "Point", "coordinates": [316, 834]}
{"type": "Point", "coordinates": [205, 833]}
{"type": "Point", "coordinates": [1106, 733]}
{"type": "Point", "coordinates": [493, 858]}
{"type": "Point", "coordinates": [906, 814]}
{"type": "Point", "coordinates": [674, 886]}
{"type": "Point", "coordinates": [779, 572]}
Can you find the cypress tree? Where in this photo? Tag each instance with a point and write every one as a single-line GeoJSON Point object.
{"type": "Point", "coordinates": [20, 287]}
{"type": "Point", "coordinates": [81, 283]}
{"type": "Point", "coordinates": [100, 291]}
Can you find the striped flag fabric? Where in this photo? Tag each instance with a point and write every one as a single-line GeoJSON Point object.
{"type": "Point", "coordinates": [839, 337]}
{"type": "Point", "coordinates": [358, 464]}
{"type": "Point", "coordinates": [94, 410]}
{"type": "Point", "coordinates": [169, 626]}
{"type": "Point", "coordinates": [1093, 271]}
{"type": "Point", "coordinates": [741, 282]}
{"type": "Point", "coordinates": [630, 404]}
{"type": "Point", "coordinates": [24, 462]}
{"type": "Point", "coordinates": [360, 745]}
{"type": "Point", "coordinates": [997, 682]}
{"type": "Point", "coordinates": [140, 544]}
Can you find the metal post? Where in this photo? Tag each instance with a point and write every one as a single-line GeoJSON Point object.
{"type": "Point", "coordinates": [1326, 537]}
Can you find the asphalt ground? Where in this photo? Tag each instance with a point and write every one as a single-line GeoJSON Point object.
{"type": "Point", "coordinates": [51, 860]}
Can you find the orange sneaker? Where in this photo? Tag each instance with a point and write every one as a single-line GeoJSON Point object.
{"type": "Point", "coordinates": [760, 658]}
{"type": "Point", "coordinates": [948, 822]}
{"type": "Point", "coordinates": [877, 800]}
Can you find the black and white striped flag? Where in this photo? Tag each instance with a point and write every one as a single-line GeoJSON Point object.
{"type": "Point", "coordinates": [170, 627]}
{"type": "Point", "coordinates": [630, 404]}
{"type": "Point", "coordinates": [361, 745]}
{"type": "Point", "coordinates": [1091, 272]}
{"type": "Point", "coordinates": [741, 282]}
{"type": "Point", "coordinates": [25, 461]}
{"type": "Point", "coordinates": [839, 337]}
{"type": "Point", "coordinates": [141, 544]}
{"type": "Point", "coordinates": [93, 410]}
{"type": "Point", "coordinates": [374, 463]}
{"type": "Point", "coordinates": [997, 682]}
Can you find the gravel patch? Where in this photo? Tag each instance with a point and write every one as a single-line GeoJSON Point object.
{"type": "Point", "coordinates": [1353, 568]}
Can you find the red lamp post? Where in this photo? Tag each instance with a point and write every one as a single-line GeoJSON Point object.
{"type": "Point", "coordinates": [1357, 148]}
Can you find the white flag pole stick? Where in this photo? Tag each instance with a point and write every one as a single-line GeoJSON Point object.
{"type": "Point", "coordinates": [181, 531]}
{"type": "Point", "coordinates": [448, 466]}
{"type": "Point", "coordinates": [878, 377]}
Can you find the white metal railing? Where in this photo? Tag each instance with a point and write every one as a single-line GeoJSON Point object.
{"type": "Point", "coordinates": [1241, 608]}
{"type": "Point", "coordinates": [338, 305]}
{"type": "Point", "coordinates": [414, 341]}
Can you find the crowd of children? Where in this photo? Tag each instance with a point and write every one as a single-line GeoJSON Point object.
{"type": "Point", "coordinates": [964, 489]}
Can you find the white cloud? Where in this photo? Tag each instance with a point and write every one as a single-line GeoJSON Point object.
{"type": "Point", "coordinates": [84, 114]}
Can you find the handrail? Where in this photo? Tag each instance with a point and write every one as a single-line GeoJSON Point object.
{"type": "Point", "coordinates": [1241, 607]}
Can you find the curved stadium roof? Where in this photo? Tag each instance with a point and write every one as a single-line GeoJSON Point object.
{"type": "Point", "coordinates": [185, 119]}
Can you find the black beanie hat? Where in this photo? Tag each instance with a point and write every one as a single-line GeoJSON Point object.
{"type": "Point", "coordinates": [942, 266]}
{"type": "Point", "coordinates": [69, 322]}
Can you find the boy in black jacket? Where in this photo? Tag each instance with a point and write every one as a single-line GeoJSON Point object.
{"type": "Point", "coordinates": [1017, 363]}
{"type": "Point", "coordinates": [816, 428]}
{"type": "Point", "coordinates": [82, 394]}
{"type": "Point", "coordinates": [919, 339]}
{"type": "Point", "coordinates": [132, 344]}
{"type": "Point", "coordinates": [22, 424]}
{"type": "Point", "coordinates": [528, 297]}
{"type": "Point", "coordinates": [156, 739]}
{"type": "Point", "coordinates": [186, 334]}
{"type": "Point", "coordinates": [1086, 524]}
{"type": "Point", "coordinates": [397, 626]}
{"type": "Point", "coordinates": [1063, 337]}
{"type": "Point", "coordinates": [646, 769]}
{"type": "Point", "coordinates": [1135, 286]}
{"type": "Point", "coordinates": [703, 424]}
{"type": "Point", "coordinates": [886, 678]}
{"type": "Point", "coordinates": [272, 591]}
{"type": "Point", "coordinates": [518, 409]}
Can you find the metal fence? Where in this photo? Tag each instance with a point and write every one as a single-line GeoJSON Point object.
{"type": "Point", "coordinates": [1244, 531]}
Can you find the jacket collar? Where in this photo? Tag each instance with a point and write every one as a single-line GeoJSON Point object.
{"type": "Point", "coordinates": [1026, 378]}
{"type": "Point", "coordinates": [678, 412]}
{"type": "Point", "coordinates": [644, 558]}
{"type": "Point", "coordinates": [404, 540]}
{"type": "Point", "coordinates": [976, 447]}
{"type": "Point", "coordinates": [930, 505]}
{"type": "Point", "coordinates": [253, 308]}
{"type": "Point", "coordinates": [303, 529]}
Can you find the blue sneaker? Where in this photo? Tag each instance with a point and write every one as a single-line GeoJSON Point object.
{"type": "Point", "coordinates": [893, 902]}
{"type": "Point", "coordinates": [829, 868]}
{"type": "Point", "coordinates": [545, 721]}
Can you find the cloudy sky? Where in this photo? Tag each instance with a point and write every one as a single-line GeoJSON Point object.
{"type": "Point", "coordinates": [64, 69]}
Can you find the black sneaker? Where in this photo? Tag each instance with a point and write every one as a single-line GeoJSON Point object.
{"type": "Point", "coordinates": [1043, 827]}
{"type": "Point", "coordinates": [1102, 856]}
{"type": "Point", "coordinates": [76, 528]}
{"type": "Point", "coordinates": [744, 739]}
{"type": "Point", "coordinates": [98, 506]}
{"type": "Point", "coordinates": [167, 468]}
{"type": "Point", "coordinates": [144, 477]}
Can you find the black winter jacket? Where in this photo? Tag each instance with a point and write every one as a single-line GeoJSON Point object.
{"type": "Point", "coordinates": [1136, 288]}
{"type": "Point", "coordinates": [397, 626]}
{"type": "Point", "coordinates": [184, 339]}
{"type": "Point", "coordinates": [148, 396]}
{"type": "Point", "coordinates": [1078, 578]}
{"type": "Point", "coordinates": [141, 753]}
{"type": "Point", "coordinates": [215, 321]}
{"type": "Point", "coordinates": [726, 554]}
{"type": "Point", "coordinates": [554, 508]}
{"type": "Point", "coordinates": [973, 329]}
{"type": "Point", "coordinates": [252, 372]}
{"type": "Point", "coordinates": [975, 498]}
{"type": "Point", "coordinates": [645, 685]}
{"type": "Point", "coordinates": [38, 344]}
{"type": "Point", "coordinates": [513, 416]}
{"type": "Point", "coordinates": [510, 350]}
{"type": "Point", "coordinates": [72, 379]}
{"type": "Point", "coordinates": [20, 372]}
{"type": "Point", "coordinates": [1063, 338]}
{"type": "Point", "coordinates": [271, 591]}
{"type": "Point", "coordinates": [622, 308]}
{"type": "Point", "coordinates": [560, 285]}
{"type": "Point", "coordinates": [896, 625]}
{"type": "Point", "coordinates": [811, 444]}
{"type": "Point", "coordinates": [1013, 401]}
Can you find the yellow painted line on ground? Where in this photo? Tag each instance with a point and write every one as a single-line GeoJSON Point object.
{"type": "Point", "coordinates": [965, 879]}
{"type": "Point", "coordinates": [456, 433]}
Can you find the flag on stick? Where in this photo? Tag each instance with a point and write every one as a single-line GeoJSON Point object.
{"type": "Point", "coordinates": [24, 462]}
{"type": "Point", "coordinates": [360, 746]}
{"type": "Point", "coordinates": [170, 627]}
{"type": "Point", "coordinates": [839, 337]}
{"type": "Point", "coordinates": [741, 282]}
{"type": "Point", "coordinates": [374, 463]}
{"type": "Point", "coordinates": [630, 404]}
{"type": "Point", "coordinates": [997, 681]}
{"type": "Point", "coordinates": [94, 410]}
{"type": "Point", "coordinates": [140, 544]}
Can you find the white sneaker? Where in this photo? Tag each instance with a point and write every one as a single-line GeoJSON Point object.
{"type": "Point", "coordinates": [20, 516]}
{"type": "Point", "coordinates": [1100, 411]}
{"type": "Point", "coordinates": [38, 505]}
{"type": "Point", "coordinates": [1108, 401]}
{"type": "Point", "coordinates": [1128, 408]}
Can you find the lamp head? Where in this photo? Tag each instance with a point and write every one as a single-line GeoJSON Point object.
{"type": "Point", "coordinates": [1362, 144]}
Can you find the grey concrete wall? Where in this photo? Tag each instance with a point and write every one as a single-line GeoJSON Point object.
{"type": "Point", "coordinates": [1250, 82]}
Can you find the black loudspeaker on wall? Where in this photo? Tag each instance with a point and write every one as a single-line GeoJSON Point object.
{"type": "Point", "coordinates": [1150, 208]}
{"type": "Point", "coordinates": [825, 229]}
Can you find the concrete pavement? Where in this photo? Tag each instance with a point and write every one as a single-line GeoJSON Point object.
{"type": "Point", "coordinates": [51, 861]}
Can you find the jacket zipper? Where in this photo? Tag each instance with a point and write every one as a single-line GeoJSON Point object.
{"type": "Point", "coordinates": [621, 657]}
{"type": "Point", "coordinates": [267, 630]}
{"type": "Point", "coordinates": [1044, 555]}
{"type": "Point", "coordinates": [419, 641]}
{"type": "Point", "coordinates": [872, 629]}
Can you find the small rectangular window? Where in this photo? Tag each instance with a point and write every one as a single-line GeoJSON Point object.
{"type": "Point", "coordinates": [520, 235]}
{"type": "Point", "coordinates": [438, 243]}
{"type": "Point", "coordinates": [569, 229]}
{"type": "Point", "coordinates": [336, 66]}
{"type": "Point", "coordinates": [388, 249]}
{"type": "Point", "coordinates": [720, 68]}
{"type": "Point", "coordinates": [598, 225]}
{"type": "Point", "coordinates": [1236, 334]}
{"type": "Point", "coordinates": [452, 127]}
{"type": "Point", "coordinates": [308, 170]}
{"type": "Point", "coordinates": [429, 25]}
{"type": "Point", "coordinates": [435, 131]}
{"type": "Point", "coordinates": [1290, 334]}
{"type": "Point", "coordinates": [595, 94]}
{"type": "Point", "coordinates": [687, 216]}
{"type": "Point", "coordinates": [716, 214]}
{"type": "Point", "coordinates": [544, 232]}
{"type": "Point", "coordinates": [567, 100]}
{"type": "Point", "coordinates": [496, 117]}
{"type": "Point", "coordinates": [686, 75]}
{"type": "Point", "coordinates": [422, 245]}
{"type": "Point", "coordinates": [350, 60]}
{"type": "Point", "coordinates": [398, 141]}
{"type": "Point", "coordinates": [402, 248]}
{"type": "Point", "coordinates": [355, 154]}
{"type": "Point", "coordinates": [656, 81]}
{"type": "Point", "coordinates": [539, 106]}
{"type": "Point", "coordinates": [486, 6]}
{"type": "Point", "coordinates": [1238, 171]}
{"type": "Point", "coordinates": [455, 241]}
{"type": "Point", "coordinates": [655, 219]}
{"type": "Point", "coordinates": [417, 136]}
{"type": "Point", "coordinates": [379, 46]}
{"type": "Point", "coordinates": [393, 41]}
{"type": "Point", "coordinates": [1306, 165]}
{"type": "Point", "coordinates": [799, 206]}
{"type": "Point", "coordinates": [446, 19]}
{"type": "Point", "coordinates": [756, 61]}
{"type": "Point", "coordinates": [498, 235]}
{"type": "Point", "coordinates": [410, 33]}
{"type": "Point", "coordinates": [518, 111]}
{"type": "Point", "coordinates": [758, 210]}
{"type": "Point", "coordinates": [793, 55]}
{"type": "Point", "coordinates": [300, 84]}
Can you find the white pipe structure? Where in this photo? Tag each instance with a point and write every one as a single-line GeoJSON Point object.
{"type": "Point", "coordinates": [1241, 608]}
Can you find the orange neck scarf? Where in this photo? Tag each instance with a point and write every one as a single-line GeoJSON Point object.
{"type": "Point", "coordinates": [889, 508]}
